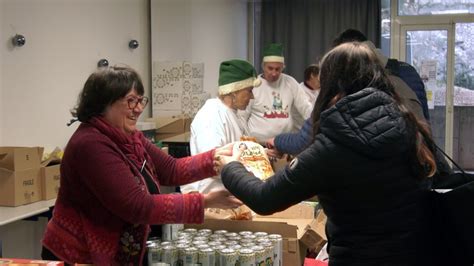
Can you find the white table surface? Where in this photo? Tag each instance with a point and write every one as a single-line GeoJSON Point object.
{"type": "Point", "coordinates": [12, 214]}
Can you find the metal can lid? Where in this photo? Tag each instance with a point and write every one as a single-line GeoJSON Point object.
{"type": "Point", "coordinates": [235, 238]}
{"type": "Point", "coordinates": [275, 236]}
{"type": "Point", "coordinates": [220, 232]}
{"type": "Point", "coordinates": [184, 235]}
{"type": "Point", "coordinates": [214, 243]}
{"type": "Point", "coordinates": [190, 230]}
{"type": "Point", "coordinates": [220, 247]}
{"type": "Point", "coordinates": [231, 234]}
{"type": "Point", "coordinates": [190, 250]}
{"type": "Point", "coordinates": [207, 251]}
{"type": "Point", "coordinates": [199, 242]}
{"type": "Point", "coordinates": [205, 230]}
{"type": "Point", "coordinates": [258, 248]}
{"type": "Point", "coordinates": [151, 244]}
{"type": "Point", "coordinates": [249, 237]}
{"type": "Point", "coordinates": [260, 234]}
{"type": "Point", "coordinates": [183, 241]}
{"type": "Point", "coordinates": [166, 243]}
{"type": "Point", "coordinates": [246, 251]}
{"type": "Point", "coordinates": [227, 251]}
{"type": "Point", "coordinates": [247, 244]}
{"type": "Point", "coordinates": [182, 246]}
{"type": "Point", "coordinates": [243, 233]}
{"type": "Point", "coordinates": [236, 246]}
{"type": "Point", "coordinates": [202, 246]}
{"type": "Point", "coordinates": [266, 244]}
{"type": "Point", "coordinates": [231, 242]}
{"type": "Point", "coordinates": [169, 247]}
{"type": "Point", "coordinates": [154, 247]}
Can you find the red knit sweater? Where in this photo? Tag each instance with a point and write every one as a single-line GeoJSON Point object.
{"type": "Point", "coordinates": [103, 207]}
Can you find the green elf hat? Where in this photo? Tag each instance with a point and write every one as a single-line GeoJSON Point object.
{"type": "Point", "coordinates": [273, 53]}
{"type": "Point", "coordinates": [235, 75]}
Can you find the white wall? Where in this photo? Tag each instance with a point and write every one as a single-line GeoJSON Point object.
{"type": "Point", "coordinates": [202, 31]}
{"type": "Point", "coordinates": [64, 40]}
{"type": "Point", "coordinates": [40, 81]}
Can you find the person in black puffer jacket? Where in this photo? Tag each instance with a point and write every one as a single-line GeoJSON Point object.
{"type": "Point", "coordinates": [369, 164]}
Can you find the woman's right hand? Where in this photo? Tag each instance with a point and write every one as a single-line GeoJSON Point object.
{"type": "Point", "coordinates": [221, 199]}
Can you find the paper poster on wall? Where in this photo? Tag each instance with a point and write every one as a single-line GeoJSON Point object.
{"type": "Point", "coordinates": [428, 75]}
{"type": "Point", "coordinates": [177, 88]}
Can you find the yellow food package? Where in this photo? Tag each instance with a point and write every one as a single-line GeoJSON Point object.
{"type": "Point", "coordinates": [254, 158]}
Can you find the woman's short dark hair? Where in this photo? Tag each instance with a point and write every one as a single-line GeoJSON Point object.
{"type": "Point", "coordinates": [312, 69]}
{"type": "Point", "coordinates": [103, 88]}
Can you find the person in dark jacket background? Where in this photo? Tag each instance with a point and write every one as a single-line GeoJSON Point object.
{"type": "Point", "coordinates": [400, 69]}
{"type": "Point", "coordinates": [369, 164]}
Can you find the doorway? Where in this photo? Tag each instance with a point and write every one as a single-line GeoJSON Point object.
{"type": "Point", "coordinates": [441, 48]}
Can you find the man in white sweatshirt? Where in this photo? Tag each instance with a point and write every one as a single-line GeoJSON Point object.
{"type": "Point", "coordinates": [216, 123]}
{"type": "Point", "coordinates": [277, 99]}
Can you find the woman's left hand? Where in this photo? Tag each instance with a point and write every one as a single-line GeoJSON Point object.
{"type": "Point", "coordinates": [222, 199]}
{"type": "Point", "coordinates": [224, 155]}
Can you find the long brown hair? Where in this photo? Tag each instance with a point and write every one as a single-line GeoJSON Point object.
{"type": "Point", "coordinates": [351, 67]}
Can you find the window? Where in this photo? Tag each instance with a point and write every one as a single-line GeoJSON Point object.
{"type": "Point", "coordinates": [435, 36]}
{"type": "Point", "coordinates": [434, 7]}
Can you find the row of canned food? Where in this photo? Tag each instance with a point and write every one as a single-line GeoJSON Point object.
{"type": "Point", "coordinates": [222, 248]}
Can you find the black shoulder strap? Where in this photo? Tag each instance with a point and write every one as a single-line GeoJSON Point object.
{"type": "Point", "coordinates": [449, 158]}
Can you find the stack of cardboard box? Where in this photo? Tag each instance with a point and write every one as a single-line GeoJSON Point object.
{"type": "Point", "coordinates": [24, 178]}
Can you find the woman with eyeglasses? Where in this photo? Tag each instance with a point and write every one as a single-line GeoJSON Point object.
{"type": "Point", "coordinates": [111, 176]}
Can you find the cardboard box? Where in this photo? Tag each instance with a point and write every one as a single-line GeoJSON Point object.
{"type": "Point", "coordinates": [299, 234]}
{"type": "Point", "coordinates": [164, 136]}
{"type": "Point", "coordinates": [50, 177]}
{"type": "Point", "coordinates": [50, 174]}
{"type": "Point", "coordinates": [19, 158]}
{"type": "Point", "coordinates": [169, 126]}
{"type": "Point", "coordinates": [19, 175]}
{"type": "Point", "coordinates": [302, 210]}
{"type": "Point", "coordinates": [19, 187]}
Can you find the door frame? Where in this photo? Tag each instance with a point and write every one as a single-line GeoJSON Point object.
{"type": "Point", "coordinates": [449, 100]}
{"type": "Point", "coordinates": [401, 24]}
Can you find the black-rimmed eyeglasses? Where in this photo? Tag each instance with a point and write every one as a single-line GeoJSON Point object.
{"type": "Point", "coordinates": [133, 102]}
